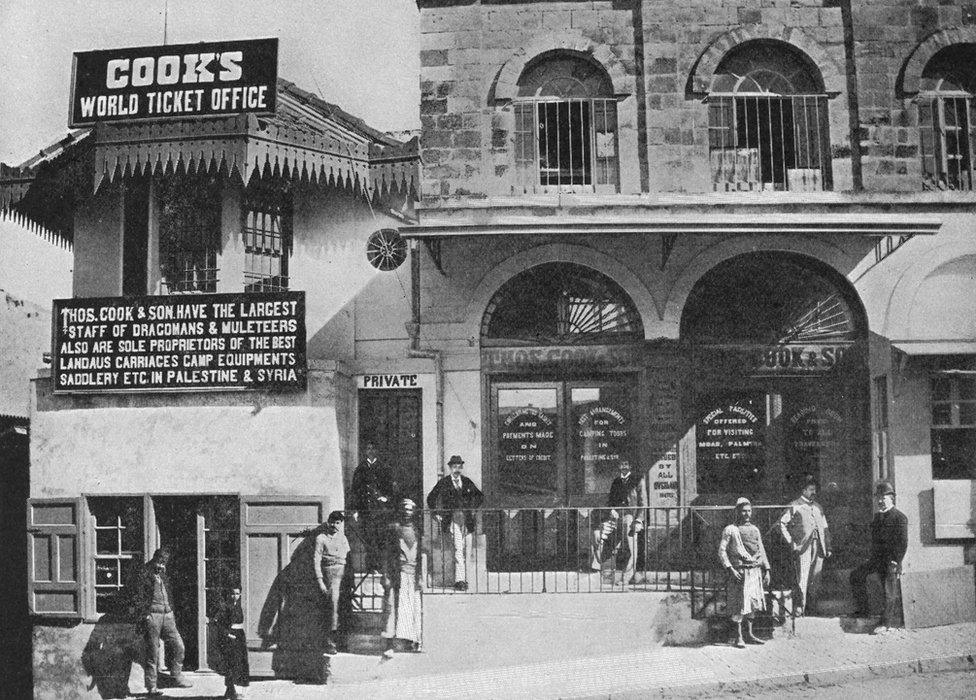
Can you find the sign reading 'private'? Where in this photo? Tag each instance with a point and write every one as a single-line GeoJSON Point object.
{"type": "Point", "coordinates": [186, 80]}
{"type": "Point", "coordinates": [180, 343]}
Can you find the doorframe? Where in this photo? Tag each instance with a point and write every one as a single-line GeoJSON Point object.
{"type": "Point", "coordinates": [562, 379]}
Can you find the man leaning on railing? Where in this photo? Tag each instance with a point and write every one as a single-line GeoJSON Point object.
{"type": "Point", "coordinates": [626, 502]}
{"type": "Point", "coordinates": [452, 499]}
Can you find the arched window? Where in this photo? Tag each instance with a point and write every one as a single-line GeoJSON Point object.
{"type": "Point", "coordinates": [565, 126]}
{"type": "Point", "coordinates": [560, 304]}
{"type": "Point", "coordinates": [946, 118]}
{"type": "Point", "coordinates": [767, 120]}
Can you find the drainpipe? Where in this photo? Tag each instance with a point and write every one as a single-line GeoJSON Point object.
{"type": "Point", "coordinates": [434, 354]}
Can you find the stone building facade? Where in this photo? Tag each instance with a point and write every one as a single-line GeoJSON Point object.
{"type": "Point", "coordinates": [753, 205]}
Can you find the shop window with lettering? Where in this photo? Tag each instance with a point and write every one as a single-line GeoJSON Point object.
{"type": "Point", "coordinates": [117, 523]}
{"type": "Point", "coordinates": [565, 126]}
{"type": "Point", "coordinates": [267, 231]}
{"type": "Point", "coordinates": [189, 234]}
{"type": "Point", "coordinates": [953, 432]}
{"type": "Point", "coordinates": [731, 454]}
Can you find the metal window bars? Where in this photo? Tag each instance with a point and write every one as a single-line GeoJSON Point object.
{"type": "Point", "coordinates": [565, 145]}
{"type": "Point", "coordinates": [947, 131]}
{"type": "Point", "coordinates": [769, 143]}
{"type": "Point", "coordinates": [267, 233]}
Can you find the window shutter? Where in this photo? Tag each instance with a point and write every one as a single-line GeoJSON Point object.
{"type": "Point", "coordinates": [55, 557]}
{"type": "Point", "coordinates": [525, 147]}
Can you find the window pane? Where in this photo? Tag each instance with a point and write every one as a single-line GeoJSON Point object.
{"type": "Point", "coordinates": [967, 388]}
{"type": "Point", "coordinates": [107, 572]}
{"type": "Point", "coordinates": [941, 386]}
{"type": "Point", "coordinates": [106, 541]}
{"type": "Point", "coordinates": [954, 453]}
{"type": "Point", "coordinates": [941, 414]}
{"type": "Point", "coordinates": [527, 441]}
{"type": "Point", "coordinates": [967, 413]}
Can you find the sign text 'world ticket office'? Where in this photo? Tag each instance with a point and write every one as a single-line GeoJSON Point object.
{"type": "Point", "coordinates": [186, 80]}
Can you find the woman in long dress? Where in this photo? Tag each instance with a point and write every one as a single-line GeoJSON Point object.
{"type": "Point", "coordinates": [403, 603]}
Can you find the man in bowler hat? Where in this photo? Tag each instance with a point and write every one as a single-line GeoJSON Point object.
{"type": "Point", "coordinates": [452, 499]}
{"type": "Point", "coordinates": [889, 541]}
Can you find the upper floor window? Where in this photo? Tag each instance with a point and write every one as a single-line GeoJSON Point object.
{"type": "Point", "coordinates": [946, 121]}
{"type": "Point", "coordinates": [565, 127]}
{"type": "Point", "coordinates": [767, 122]}
{"type": "Point", "coordinates": [267, 231]}
{"type": "Point", "coordinates": [189, 234]}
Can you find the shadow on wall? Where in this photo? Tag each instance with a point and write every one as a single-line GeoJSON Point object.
{"type": "Point", "coordinates": [293, 620]}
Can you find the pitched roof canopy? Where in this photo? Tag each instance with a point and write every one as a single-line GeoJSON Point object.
{"type": "Point", "coordinates": [307, 139]}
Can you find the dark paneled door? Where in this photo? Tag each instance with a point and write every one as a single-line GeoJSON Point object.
{"type": "Point", "coordinates": [391, 419]}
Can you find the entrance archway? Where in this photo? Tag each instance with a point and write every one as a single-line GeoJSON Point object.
{"type": "Point", "coordinates": [778, 384]}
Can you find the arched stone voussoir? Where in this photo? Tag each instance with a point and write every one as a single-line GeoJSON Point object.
{"type": "Point", "coordinates": [704, 71]}
{"type": "Point", "coordinates": [926, 49]}
{"type": "Point", "coordinates": [506, 84]}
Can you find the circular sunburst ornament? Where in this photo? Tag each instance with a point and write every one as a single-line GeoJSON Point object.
{"type": "Point", "coordinates": [386, 250]}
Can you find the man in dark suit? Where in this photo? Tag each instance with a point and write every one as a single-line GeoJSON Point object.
{"type": "Point", "coordinates": [889, 541]}
{"type": "Point", "coordinates": [372, 497]}
{"type": "Point", "coordinates": [152, 603]}
{"type": "Point", "coordinates": [452, 499]}
{"type": "Point", "coordinates": [626, 502]}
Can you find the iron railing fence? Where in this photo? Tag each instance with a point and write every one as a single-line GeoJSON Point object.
{"type": "Point", "coordinates": [767, 142]}
{"type": "Point", "coordinates": [576, 550]}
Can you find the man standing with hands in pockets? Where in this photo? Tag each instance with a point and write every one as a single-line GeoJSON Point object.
{"type": "Point", "coordinates": [804, 528]}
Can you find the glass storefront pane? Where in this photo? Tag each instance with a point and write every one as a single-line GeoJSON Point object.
{"type": "Point", "coordinates": [941, 414]}
{"type": "Point", "coordinates": [527, 442]}
{"type": "Point", "coordinates": [601, 420]}
{"type": "Point", "coordinates": [107, 541]}
{"type": "Point", "coordinates": [941, 386]}
{"type": "Point", "coordinates": [107, 572]}
{"type": "Point", "coordinates": [954, 453]}
{"type": "Point", "coordinates": [967, 413]}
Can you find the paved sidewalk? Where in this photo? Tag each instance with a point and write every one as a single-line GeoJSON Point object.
{"type": "Point", "coordinates": [554, 646]}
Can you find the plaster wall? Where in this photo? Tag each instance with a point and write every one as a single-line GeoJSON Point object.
{"type": "Point", "coordinates": [253, 444]}
{"type": "Point", "coordinates": [98, 245]}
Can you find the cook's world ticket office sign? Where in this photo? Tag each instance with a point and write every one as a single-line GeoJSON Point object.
{"type": "Point", "coordinates": [199, 342]}
{"type": "Point", "coordinates": [174, 81]}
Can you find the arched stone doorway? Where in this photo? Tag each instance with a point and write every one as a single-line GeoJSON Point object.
{"type": "Point", "coordinates": [777, 386]}
{"type": "Point", "coordinates": [561, 359]}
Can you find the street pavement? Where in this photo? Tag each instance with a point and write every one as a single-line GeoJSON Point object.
{"type": "Point", "coordinates": [557, 646]}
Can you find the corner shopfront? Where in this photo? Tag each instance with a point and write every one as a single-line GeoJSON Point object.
{"type": "Point", "coordinates": [734, 366]}
{"type": "Point", "coordinates": [196, 212]}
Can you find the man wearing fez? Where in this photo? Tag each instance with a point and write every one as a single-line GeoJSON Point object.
{"type": "Point", "coordinates": [329, 564]}
{"type": "Point", "coordinates": [804, 529]}
{"type": "Point", "coordinates": [626, 502]}
{"type": "Point", "coordinates": [152, 603]}
{"type": "Point", "coordinates": [742, 554]}
{"type": "Point", "coordinates": [889, 541]}
{"type": "Point", "coordinates": [372, 501]}
{"type": "Point", "coordinates": [452, 499]}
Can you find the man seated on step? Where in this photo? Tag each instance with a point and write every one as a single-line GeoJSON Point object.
{"type": "Point", "coordinates": [626, 518]}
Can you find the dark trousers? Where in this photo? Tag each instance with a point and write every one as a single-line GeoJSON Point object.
{"type": "Point", "coordinates": [162, 626]}
{"type": "Point", "coordinates": [373, 528]}
{"type": "Point", "coordinates": [887, 576]}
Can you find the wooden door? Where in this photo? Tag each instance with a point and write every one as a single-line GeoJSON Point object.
{"type": "Point", "coordinates": [392, 419]}
{"type": "Point", "coordinates": [284, 618]}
